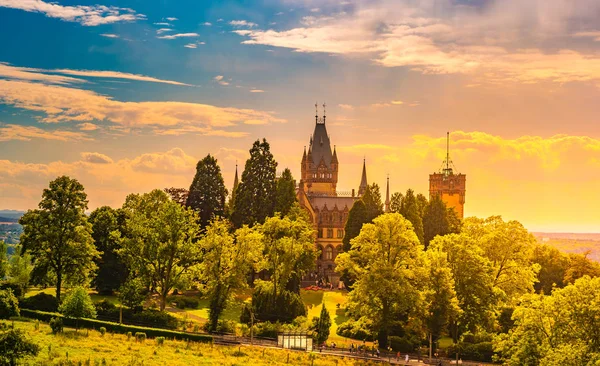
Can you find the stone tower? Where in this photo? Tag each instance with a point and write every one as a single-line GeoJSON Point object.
{"type": "Point", "coordinates": [449, 186]}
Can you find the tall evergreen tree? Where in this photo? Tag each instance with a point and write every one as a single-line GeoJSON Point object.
{"type": "Point", "coordinates": [106, 231]}
{"type": "Point", "coordinates": [256, 193]}
{"type": "Point", "coordinates": [286, 193]}
{"type": "Point", "coordinates": [435, 219]}
{"type": "Point", "coordinates": [372, 200]}
{"type": "Point", "coordinates": [396, 202]}
{"type": "Point", "coordinates": [320, 326]}
{"type": "Point", "coordinates": [207, 192]}
{"type": "Point", "coordinates": [422, 204]}
{"type": "Point", "coordinates": [357, 217]}
{"type": "Point", "coordinates": [58, 234]}
{"type": "Point", "coordinates": [410, 211]}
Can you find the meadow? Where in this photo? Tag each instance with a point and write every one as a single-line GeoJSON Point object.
{"type": "Point", "coordinates": [89, 347]}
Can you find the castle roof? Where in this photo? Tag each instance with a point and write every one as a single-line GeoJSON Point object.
{"type": "Point", "coordinates": [318, 203]}
{"type": "Point", "coordinates": [320, 145]}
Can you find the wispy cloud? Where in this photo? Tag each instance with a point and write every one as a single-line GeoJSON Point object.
{"type": "Point", "coordinates": [171, 19]}
{"type": "Point", "coordinates": [10, 132]}
{"type": "Point", "coordinates": [109, 35]}
{"type": "Point", "coordinates": [256, 91]}
{"type": "Point", "coordinates": [165, 24]}
{"type": "Point", "coordinates": [179, 35]}
{"type": "Point", "coordinates": [208, 24]}
{"type": "Point", "coordinates": [594, 34]}
{"type": "Point", "coordinates": [87, 126]}
{"type": "Point", "coordinates": [346, 106]}
{"type": "Point", "coordinates": [95, 158]}
{"type": "Point", "coordinates": [84, 14]}
{"type": "Point", "coordinates": [163, 30]}
{"type": "Point", "coordinates": [194, 45]}
{"type": "Point", "coordinates": [242, 23]}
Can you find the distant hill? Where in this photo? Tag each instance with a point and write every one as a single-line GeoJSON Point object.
{"type": "Point", "coordinates": [11, 214]}
{"type": "Point", "coordinates": [9, 219]}
{"type": "Point", "coordinates": [573, 242]}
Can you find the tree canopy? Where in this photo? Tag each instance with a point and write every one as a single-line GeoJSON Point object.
{"type": "Point", "coordinates": [207, 193]}
{"type": "Point", "coordinates": [58, 235]}
{"type": "Point", "coordinates": [435, 219]}
{"type": "Point", "coordinates": [411, 210]}
{"type": "Point", "coordinates": [286, 193]}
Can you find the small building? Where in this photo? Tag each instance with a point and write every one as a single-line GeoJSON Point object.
{"type": "Point", "coordinates": [295, 340]}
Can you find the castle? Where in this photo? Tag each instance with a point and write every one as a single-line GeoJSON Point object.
{"type": "Point", "coordinates": [451, 187]}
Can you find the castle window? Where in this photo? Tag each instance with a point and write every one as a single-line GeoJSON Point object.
{"type": "Point", "coordinates": [319, 233]}
{"type": "Point", "coordinates": [335, 216]}
{"type": "Point", "coordinates": [328, 253]}
{"type": "Point", "coordinates": [330, 233]}
{"type": "Point", "coordinates": [340, 233]}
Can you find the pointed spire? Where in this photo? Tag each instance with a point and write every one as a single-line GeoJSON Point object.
{"type": "Point", "coordinates": [334, 158]}
{"type": "Point", "coordinates": [235, 183]}
{"type": "Point", "coordinates": [304, 155]}
{"type": "Point", "coordinates": [363, 180]}
{"type": "Point", "coordinates": [387, 195]}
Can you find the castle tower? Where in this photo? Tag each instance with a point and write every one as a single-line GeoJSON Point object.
{"type": "Point", "coordinates": [319, 167]}
{"type": "Point", "coordinates": [449, 186]}
{"type": "Point", "coordinates": [363, 180]}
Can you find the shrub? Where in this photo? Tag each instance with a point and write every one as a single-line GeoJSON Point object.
{"type": "Point", "coordinates": [154, 318]}
{"type": "Point", "coordinates": [41, 302]}
{"type": "Point", "coordinates": [284, 308]}
{"type": "Point", "coordinates": [9, 305]}
{"type": "Point", "coordinates": [16, 288]}
{"type": "Point", "coordinates": [476, 347]}
{"type": "Point", "coordinates": [56, 324]}
{"type": "Point", "coordinates": [105, 306]}
{"type": "Point", "coordinates": [355, 329]}
{"type": "Point", "coordinates": [15, 346]}
{"type": "Point", "coordinates": [129, 335]}
{"type": "Point", "coordinates": [402, 344]}
{"type": "Point", "coordinates": [132, 293]}
{"type": "Point", "coordinates": [140, 336]}
{"type": "Point", "coordinates": [186, 302]}
{"type": "Point", "coordinates": [78, 304]}
{"type": "Point", "coordinates": [102, 331]}
{"type": "Point", "coordinates": [160, 341]}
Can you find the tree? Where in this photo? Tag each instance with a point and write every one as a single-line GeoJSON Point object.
{"type": "Point", "coordinates": [435, 219]}
{"type": "Point", "coordinates": [386, 261]}
{"type": "Point", "coordinates": [131, 293]}
{"type": "Point", "coordinates": [580, 265]}
{"type": "Point", "coordinates": [9, 305]}
{"type": "Point", "coordinates": [357, 217]}
{"type": "Point", "coordinates": [227, 262]}
{"type": "Point", "coordinates": [256, 193]}
{"type": "Point", "coordinates": [553, 267]}
{"type": "Point", "coordinates": [454, 222]}
{"type": "Point", "coordinates": [560, 329]}
{"type": "Point", "coordinates": [207, 192]}
{"type": "Point", "coordinates": [422, 204]}
{"type": "Point", "coordinates": [14, 346]}
{"type": "Point", "coordinates": [396, 202]}
{"type": "Point", "coordinates": [58, 235]}
{"type": "Point", "coordinates": [286, 193]}
{"type": "Point", "coordinates": [20, 267]}
{"type": "Point", "coordinates": [78, 304]}
{"type": "Point", "coordinates": [160, 245]}
{"type": "Point", "coordinates": [179, 195]}
{"type": "Point", "coordinates": [3, 259]}
{"type": "Point", "coordinates": [372, 200]}
{"type": "Point", "coordinates": [320, 326]}
{"type": "Point", "coordinates": [410, 211]}
{"type": "Point", "coordinates": [106, 231]}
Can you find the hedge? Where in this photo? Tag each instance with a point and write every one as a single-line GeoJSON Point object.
{"type": "Point", "coordinates": [116, 327]}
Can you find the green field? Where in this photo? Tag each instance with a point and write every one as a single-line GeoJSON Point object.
{"type": "Point", "coordinates": [88, 347]}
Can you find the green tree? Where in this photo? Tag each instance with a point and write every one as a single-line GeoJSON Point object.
{"type": "Point", "coordinates": [435, 219]}
{"type": "Point", "coordinates": [78, 304]}
{"type": "Point", "coordinates": [132, 292]}
{"type": "Point", "coordinates": [207, 193]}
{"type": "Point", "coordinates": [410, 210]}
{"type": "Point", "coordinates": [357, 217]}
{"type": "Point", "coordinates": [227, 262]}
{"type": "Point", "coordinates": [9, 305]}
{"type": "Point", "coordinates": [20, 268]}
{"type": "Point", "coordinates": [320, 326]}
{"type": "Point", "coordinates": [422, 204]}
{"type": "Point", "coordinates": [386, 260]}
{"type": "Point", "coordinates": [396, 202]}
{"type": "Point", "coordinates": [256, 193]}
{"type": "Point", "coordinates": [454, 222]}
{"type": "Point", "coordinates": [372, 200]}
{"type": "Point", "coordinates": [179, 195]}
{"type": "Point", "coordinates": [553, 267]}
{"type": "Point", "coordinates": [160, 244]}
{"type": "Point", "coordinates": [106, 231]}
{"type": "Point", "coordinates": [14, 346]}
{"type": "Point", "coordinates": [58, 235]}
{"type": "Point", "coordinates": [286, 193]}
{"type": "Point", "coordinates": [580, 265]}
{"type": "Point", "coordinates": [3, 259]}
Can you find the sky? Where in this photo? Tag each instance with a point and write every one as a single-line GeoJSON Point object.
{"type": "Point", "coordinates": [127, 96]}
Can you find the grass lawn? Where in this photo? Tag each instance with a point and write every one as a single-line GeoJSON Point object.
{"type": "Point", "coordinates": [88, 347]}
{"type": "Point", "coordinates": [52, 291]}
{"type": "Point", "coordinates": [445, 342]}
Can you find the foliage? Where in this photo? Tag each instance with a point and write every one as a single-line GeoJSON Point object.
{"type": "Point", "coordinates": [140, 337]}
{"type": "Point", "coordinates": [102, 330]}
{"type": "Point", "coordinates": [360, 329]}
{"type": "Point", "coordinates": [372, 200]}
{"type": "Point", "coordinates": [3, 259]}
{"type": "Point", "coordinates": [160, 341]}
{"type": "Point", "coordinates": [58, 235]}
{"type": "Point", "coordinates": [14, 346]}
{"type": "Point", "coordinates": [20, 268]}
{"type": "Point", "coordinates": [286, 193]}
{"type": "Point", "coordinates": [207, 192]}
{"type": "Point", "coordinates": [580, 265]}
{"type": "Point", "coordinates": [553, 267]}
{"type": "Point", "coordinates": [283, 306]}
{"type": "Point", "coordinates": [422, 204]}
{"type": "Point", "coordinates": [41, 301]}
{"type": "Point", "coordinates": [320, 326]}
{"type": "Point", "coordinates": [255, 197]}
{"type": "Point", "coordinates": [568, 321]}
{"type": "Point", "coordinates": [186, 302]}
{"type": "Point", "coordinates": [107, 226]}
{"type": "Point", "coordinates": [179, 195]}
{"type": "Point", "coordinates": [404, 344]}
{"type": "Point", "coordinates": [56, 324]}
{"type": "Point", "coordinates": [412, 212]}
{"type": "Point", "coordinates": [78, 304]}
{"type": "Point", "coordinates": [223, 326]}
{"type": "Point", "coordinates": [147, 317]}
{"type": "Point", "coordinates": [160, 246]}
{"type": "Point", "coordinates": [435, 219]}
{"type": "Point", "coordinates": [357, 217]}
{"type": "Point", "coordinates": [16, 289]}
{"type": "Point", "coordinates": [227, 262]}
{"type": "Point", "coordinates": [386, 260]}
{"type": "Point", "coordinates": [132, 292]}
{"type": "Point", "coordinates": [9, 305]}
{"type": "Point", "coordinates": [396, 202]}
{"type": "Point", "coordinates": [289, 251]}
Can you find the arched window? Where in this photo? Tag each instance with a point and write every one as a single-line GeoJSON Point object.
{"type": "Point", "coordinates": [329, 253]}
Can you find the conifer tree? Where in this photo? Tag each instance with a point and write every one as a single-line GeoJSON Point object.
{"type": "Point", "coordinates": [286, 193]}
{"type": "Point", "coordinates": [410, 211]}
{"type": "Point", "coordinates": [207, 192]}
{"type": "Point", "coordinates": [435, 219]}
{"type": "Point", "coordinates": [320, 326]}
{"type": "Point", "coordinates": [372, 200]}
{"type": "Point", "coordinates": [256, 193]}
{"type": "Point", "coordinates": [357, 217]}
{"type": "Point", "coordinates": [396, 202]}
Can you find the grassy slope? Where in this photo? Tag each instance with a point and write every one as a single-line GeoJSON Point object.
{"type": "Point", "coordinates": [116, 349]}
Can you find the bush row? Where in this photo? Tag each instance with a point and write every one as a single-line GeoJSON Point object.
{"type": "Point", "coordinates": [149, 317]}
{"type": "Point", "coordinates": [116, 327]}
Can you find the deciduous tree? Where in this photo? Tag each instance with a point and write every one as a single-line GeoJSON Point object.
{"type": "Point", "coordinates": [14, 346]}
{"type": "Point", "coordinates": [396, 202]}
{"type": "Point", "coordinates": [78, 304]}
{"type": "Point", "coordinates": [179, 195]}
{"type": "Point", "coordinates": [207, 193]}
{"type": "Point", "coordinates": [58, 234]}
